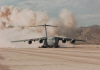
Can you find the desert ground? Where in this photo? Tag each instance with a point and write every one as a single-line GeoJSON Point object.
{"type": "Point", "coordinates": [79, 57]}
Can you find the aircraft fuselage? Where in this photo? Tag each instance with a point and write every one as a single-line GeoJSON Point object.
{"type": "Point", "coordinates": [51, 41]}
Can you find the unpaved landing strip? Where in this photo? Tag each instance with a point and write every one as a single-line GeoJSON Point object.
{"type": "Point", "coordinates": [81, 57]}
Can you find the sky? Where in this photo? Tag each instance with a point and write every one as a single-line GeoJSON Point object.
{"type": "Point", "coordinates": [87, 12]}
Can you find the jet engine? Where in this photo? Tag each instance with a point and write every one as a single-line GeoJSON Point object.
{"type": "Point", "coordinates": [72, 41]}
{"type": "Point", "coordinates": [29, 42]}
{"type": "Point", "coordinates": [40, 41]}
{"type": "Point", "coordinates": [63, 41]}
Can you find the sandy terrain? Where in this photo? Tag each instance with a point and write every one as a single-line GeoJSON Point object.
{"type": "Point", "coordinates": [81, 57]}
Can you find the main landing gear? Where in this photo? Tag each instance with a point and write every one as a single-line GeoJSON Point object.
{"type": "Point", "coordinates": [42, 46]}
{"type": "Point", "coordinates": [57, 46]}
{"type": "Point", "coordinates": [49, 47]}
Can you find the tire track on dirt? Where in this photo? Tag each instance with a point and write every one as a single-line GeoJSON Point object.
{"type": "Point", "coordinates": [63, 53]}
{"type": "Point", "coordinates": [56, 56]}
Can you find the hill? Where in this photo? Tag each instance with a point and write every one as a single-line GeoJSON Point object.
{"type": "Point", "coordinates": [92, 33]}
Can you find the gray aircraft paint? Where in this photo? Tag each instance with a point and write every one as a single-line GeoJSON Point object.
{"type": "Point", "coordinates": [49, 41]}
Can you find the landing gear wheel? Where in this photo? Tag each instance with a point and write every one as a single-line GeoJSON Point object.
{"type": "Point", "coordinates": [57, 46]}
{"type": "Point", "coordinates": [43, 47]}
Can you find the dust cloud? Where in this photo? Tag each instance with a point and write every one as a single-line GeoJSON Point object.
{"type": "Point", "coordinates": [15, 25]}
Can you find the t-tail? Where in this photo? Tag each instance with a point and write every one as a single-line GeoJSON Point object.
{"type": "Point", "coordinates": [44, 28]}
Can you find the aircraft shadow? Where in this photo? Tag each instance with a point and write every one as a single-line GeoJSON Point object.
{"type": "Point", "coordinates": [71, 47]}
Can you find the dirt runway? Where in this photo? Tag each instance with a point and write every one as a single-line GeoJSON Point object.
{"type": "Point", "coordinates": [80, 57]}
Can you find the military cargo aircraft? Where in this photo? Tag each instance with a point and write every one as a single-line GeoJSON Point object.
{"type": "Point", "coordinates": [49, 41]}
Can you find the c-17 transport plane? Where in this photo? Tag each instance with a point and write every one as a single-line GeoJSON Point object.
{"type": "Point", "coordinates": [49, 41]}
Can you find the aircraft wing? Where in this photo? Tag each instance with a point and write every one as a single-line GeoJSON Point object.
{"type": "Point", "coordinates": [78, 40]}
{"type": "Point", "coordinates": [69, 39]}
{"type": "Point", "coordinates": [34, 39]}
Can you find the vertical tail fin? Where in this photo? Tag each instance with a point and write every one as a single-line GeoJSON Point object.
{"type": "Point", "coordinates": [44, 28]}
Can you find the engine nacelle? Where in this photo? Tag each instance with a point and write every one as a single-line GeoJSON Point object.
{"type": "Point", "coordinates": [29, 42]}
{"type": "Point", "coordinates": [63, 41]}
{"type": "Point", "coordinates": [40, 41]}
{"type": "Point", "coordinates": [72, 41]}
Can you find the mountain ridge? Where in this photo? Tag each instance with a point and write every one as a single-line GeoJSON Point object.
{"type": "Point", "coordinates": [92, 33]}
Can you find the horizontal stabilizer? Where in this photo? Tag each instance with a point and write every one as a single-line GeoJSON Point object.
{"type": "Point", "coordinates": [51, 26]}
{"type": "Point", "coordinates": [43, 25]}
{"type": "Point", "coordinates": [37, 26]}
